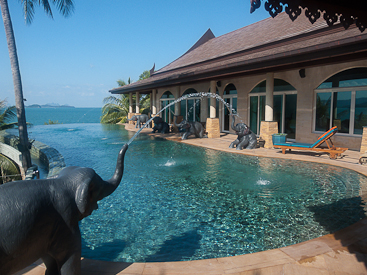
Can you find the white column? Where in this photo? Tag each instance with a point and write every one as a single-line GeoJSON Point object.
{"type": "Point", "coordinates": [213, 90]}
{"type": "Point", "coordinates": [130, 102]}
{"type": "Point", "coordinates": [154, 101]}
{"type": "Point", "coordinates": [137, 108]}
{"type": "Point", "coordinates": [176, 94]}
{"type": "Point", "coordinates": [269, 97]}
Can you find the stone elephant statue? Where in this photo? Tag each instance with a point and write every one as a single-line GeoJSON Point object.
{"type": "Point", "coordinates": [190, 128]}
{"type": "Point", "coordinates": [39, 218]}
{"type": "Point", "coordinates": [139, 119]}
{"type": "Point", "coordinates": [160, 125]}
{"type": "Point", "coordinates": [245, 137]}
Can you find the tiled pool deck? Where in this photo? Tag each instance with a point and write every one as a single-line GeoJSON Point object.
{"type": "Point", "coordinates": [343, 252]}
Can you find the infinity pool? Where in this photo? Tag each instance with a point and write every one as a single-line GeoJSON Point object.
{"type": "Point", "coordinates": [178, 202]}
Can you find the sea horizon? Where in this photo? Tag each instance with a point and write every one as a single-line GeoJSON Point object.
{"type": "Point", "coordinates": [62, 115]}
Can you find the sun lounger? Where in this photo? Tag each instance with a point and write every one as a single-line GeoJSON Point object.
{"type": "Point", "coordinates": [333, 151]}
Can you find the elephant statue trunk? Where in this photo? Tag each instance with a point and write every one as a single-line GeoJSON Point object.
{"type": "Point", "coordinates": [175, 121]}
{"type": "Point", "coordinates": [240, 128]}
{"type": "Point", "coordinates": [182, 125]}
{"type": "Point", "coordinates": [234, 127]}
{"type": "Point", "coordinates": [115, 180]}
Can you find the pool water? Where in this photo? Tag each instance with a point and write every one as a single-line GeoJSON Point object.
{"type": "Point", "coordinates": [178, 202]}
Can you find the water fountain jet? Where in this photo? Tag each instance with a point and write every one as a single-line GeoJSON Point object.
{"type": "Point", "coordinates": [201, 94]}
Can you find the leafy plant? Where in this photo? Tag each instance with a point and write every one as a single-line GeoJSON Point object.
{"type": "Point", "coordinates": [116, 108]}
{"type": "Point", "coordinates": [9, 171]}
{"type": "Point", "coordinates": [50, 122]}
{"type": "Point", "coordinates": [7, 115]}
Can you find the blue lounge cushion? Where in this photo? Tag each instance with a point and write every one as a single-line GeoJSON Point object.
{"type": "Point", "coordinates": [309, 145]}
{"type": "Point", "coordinates": [304, 145]}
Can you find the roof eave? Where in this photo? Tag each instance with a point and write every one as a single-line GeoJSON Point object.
{"type": "Point", "coordinates": [352, 46]}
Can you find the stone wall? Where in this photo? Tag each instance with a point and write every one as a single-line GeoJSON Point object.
{"type": "Point", "coordinates": [364, 141]}
{"type": "Point", "coordinates": [47, 155]}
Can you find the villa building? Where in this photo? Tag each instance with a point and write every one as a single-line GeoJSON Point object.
{"type": "Point", "coordinates": [280, 76]}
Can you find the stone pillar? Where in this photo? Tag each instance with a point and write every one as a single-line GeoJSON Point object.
{"type": "Point", "coordinates": [364, 141]}
{"type": "Point", "coordinates": [213, 88]}
{"type": "Point", "coordinates": [212, 123]}
{"type": "Point", "coordinates": [130, 114]}
{"type": "Point", "coordinates": [137, 107]}
{"type": "Point", "coordinates": [267, 129]}
{"type": "Point", "coordinates": [130, 102]}
{"type": "Point", "coordinates": [154, 102]}
{"type": "Point", "coordinates": [269, 100]}
{"type": "Point", "coordinates": [177, 116]}
{"type": "Point", "coordinates": [204, 109]}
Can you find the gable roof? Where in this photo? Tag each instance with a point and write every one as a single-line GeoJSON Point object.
{"type": "Point", "coordinates": [265, 45]}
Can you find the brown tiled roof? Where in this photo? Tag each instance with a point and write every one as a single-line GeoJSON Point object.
{"type": "Point", "coordinates": [263, 32]}
{"type": "Point", "coordinates": [268, 43]}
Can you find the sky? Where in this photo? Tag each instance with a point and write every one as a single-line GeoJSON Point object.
{"type": "Point", "coordinates": [78, 59]}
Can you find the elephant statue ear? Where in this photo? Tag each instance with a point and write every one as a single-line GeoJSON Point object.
{"type": "Point", "coordinates": [85, 198]}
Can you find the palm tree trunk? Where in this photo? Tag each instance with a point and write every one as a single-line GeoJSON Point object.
{"type": "Point", "coordinates": [19, 102]}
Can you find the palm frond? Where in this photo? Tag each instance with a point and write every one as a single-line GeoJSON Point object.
{"type": "Point", "coordinates": [66, 7]}
{"type": "Point", "coordinates": [8, 126]}
{"type": "Point", "coordinates": [7, 114]}
{"type": "Point", "coordinates": [115, 109]}
{"type": "Point", "coordinates": [47, 7]}
{"type": "Point", "coordinates": [28, 10]}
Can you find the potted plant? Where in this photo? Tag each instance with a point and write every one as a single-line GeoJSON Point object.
{"type": "Point", "coordinates": [279, 138]}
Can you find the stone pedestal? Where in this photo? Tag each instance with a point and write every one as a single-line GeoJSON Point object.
{"type": "Point", "coordinates": [267, 129]}
{"type": "Point", "coordinates": [212, 127]}
{"type": "Point", "coordinates": [364, 141]}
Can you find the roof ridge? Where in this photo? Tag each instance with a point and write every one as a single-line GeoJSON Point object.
{"type": "Point", "coordinates": [208, 35]}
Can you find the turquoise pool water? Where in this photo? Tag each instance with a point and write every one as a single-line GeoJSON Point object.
{"type": "Point", "coordinates": [179, 202]}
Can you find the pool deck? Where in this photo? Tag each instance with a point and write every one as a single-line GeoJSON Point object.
{"type": "Point", "coordinates": [343, 252]}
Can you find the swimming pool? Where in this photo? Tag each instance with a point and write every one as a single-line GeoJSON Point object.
{"type": "Point", "coordinates": [180, 202]}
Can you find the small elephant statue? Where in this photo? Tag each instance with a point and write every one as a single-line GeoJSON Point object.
{"type": "Point", "coordinates": [160, 125]}
{"type": "Point", "coordinates": [190, 128]}
{"type": "Point", "coordinates": [245, 137]}
{"type": "Point", "coordinates": [139, 119]}
{"type": "Point", "coordinates": [39, 218]}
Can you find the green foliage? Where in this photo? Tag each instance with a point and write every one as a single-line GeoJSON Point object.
{"type": "Point", "coordinates": [8, 170]}
{"type": "Point", "coordinates": [65, 7]}
{"type": "Point", "coordinates": [116, 108]}
{"type": "Point", "coordinates": [7, 114]}
{"type": "Point", "coordinates": [145, 104]}
{"type": "Point", "coordinates": [50, 122]}
{"type": "Point", "coordinates": [144, 75]}
{"type": "Point", "coordinates": [123, 83]}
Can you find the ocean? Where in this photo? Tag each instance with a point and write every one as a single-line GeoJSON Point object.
{"type": "Point", "coordinates": [40, 116]}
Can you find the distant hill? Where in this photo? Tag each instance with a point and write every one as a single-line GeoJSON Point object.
{"type": "Point", "coordinates": [50, 105]}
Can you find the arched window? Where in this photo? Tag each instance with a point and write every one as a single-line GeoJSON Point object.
{"type": "Point", "coordinates": [230, 97]}
{"type": "Point", "coordinates": [284, 107]}
{"type": "Point", "coordinates": [190, 108]}
{"type": "Point", "coordinates": [341, 101]}
{"type": "Point", "coordinates": [168, 113]}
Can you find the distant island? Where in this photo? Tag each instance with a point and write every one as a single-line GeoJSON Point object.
{"type": "Point", "coordinates": [49, 105]}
